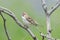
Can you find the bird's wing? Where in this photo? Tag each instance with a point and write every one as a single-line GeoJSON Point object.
{"type": "Point", "coordinates": [31, 20]}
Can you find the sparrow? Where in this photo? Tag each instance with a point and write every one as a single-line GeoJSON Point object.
{"type": "Point", "coordinates": [28, 20]}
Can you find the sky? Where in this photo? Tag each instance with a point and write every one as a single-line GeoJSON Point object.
{"type": "Point", "coordinates": [35, 4]}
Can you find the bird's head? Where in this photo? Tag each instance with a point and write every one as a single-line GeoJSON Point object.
{"type": "Point", "coordinates": [24, 13]}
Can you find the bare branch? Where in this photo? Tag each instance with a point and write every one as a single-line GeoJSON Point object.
{"type": "Point", "coordinates": [54, 8]}
{"type": "Point", "coordinates": [32, 35]}
{"type": "Point", "coordinates": [43, 37]}
{"type": "Point", "coordinates": [47, 19]}
{"type": "Point", "coordinates": [5, 27]}
{"type": "Point", "coordinates": [44, 5]}
{"type": "Point", "coordinates": [6, 11]}
{"type": "Point", "coordinates": [48, 37]}
{"type": "Point", "coordinates": [48, 13]}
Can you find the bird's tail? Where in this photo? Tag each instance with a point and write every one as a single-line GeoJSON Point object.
{"type": "Point", "coordinates": [36, 23]}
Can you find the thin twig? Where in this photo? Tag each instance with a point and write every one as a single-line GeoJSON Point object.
{"type": "Point", "coordinates": [45, 36]}
{"type": "Point", "coordinates": [54, 7]}
{"type": "Point", "coordinates": [44, 6]}
{"type": "Point", "coordinates": [5, 27]}
{"type": "Point", "coordinates": [10, 13]}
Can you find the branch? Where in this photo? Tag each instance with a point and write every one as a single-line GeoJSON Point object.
{"type": "Point", "coordinates": [44, 5]}
{"type": "Point", "coordinates": [8, 12]}
{"type": "Point", "coordinates": [5, 27]}
{"type": "Point", "coordinates": [47, 19]}
{"type": "Point", "coordinates": [32, 35]}
{"type": "Point", "coordinates": [43, 35]}
{"type": "Point", "coordinates": [48, 13]}
{"type": "Point", "coordinates": [54, 8]}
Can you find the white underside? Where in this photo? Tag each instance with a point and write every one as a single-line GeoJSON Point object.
{"type": "Point", "coordinates": [25, 21]}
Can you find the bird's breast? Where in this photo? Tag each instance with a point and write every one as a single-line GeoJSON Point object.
{"type": "Point", "coordinates": [25, 20]}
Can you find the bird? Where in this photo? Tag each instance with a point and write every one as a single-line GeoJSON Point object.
{"type": "Point", "coordinates": [28, 20]}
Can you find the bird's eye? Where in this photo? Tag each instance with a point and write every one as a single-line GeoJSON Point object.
{"type": "Point", "coordinates": [29, 18]}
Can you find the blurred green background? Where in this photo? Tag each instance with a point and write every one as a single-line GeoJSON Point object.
{"type": "Point", "coordinates": [34, 9]}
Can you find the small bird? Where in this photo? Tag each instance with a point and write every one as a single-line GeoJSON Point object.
{"type": "Point", "coordinates": [28, 20]}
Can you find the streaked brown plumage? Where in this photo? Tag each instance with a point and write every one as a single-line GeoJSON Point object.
{"type": "Point", "coordinates": [28, 19]}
